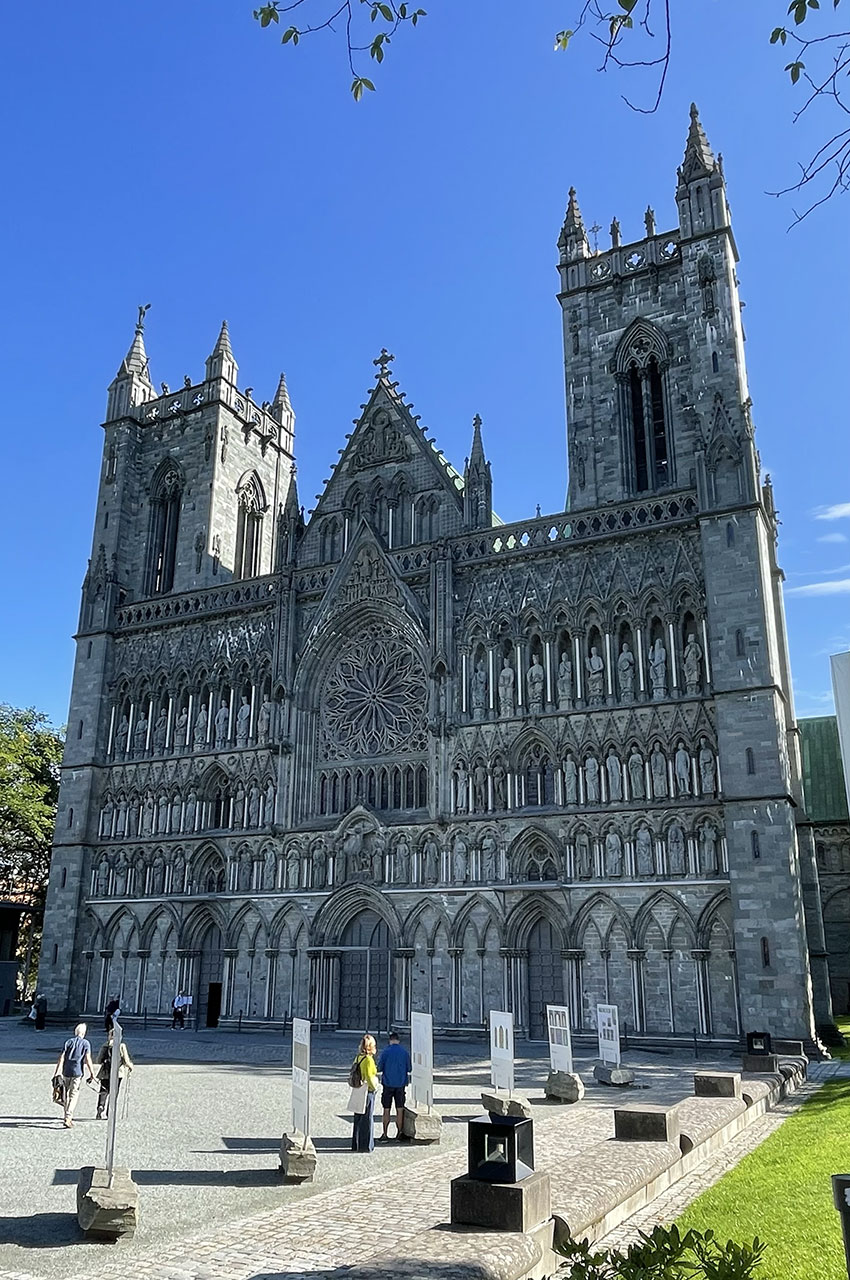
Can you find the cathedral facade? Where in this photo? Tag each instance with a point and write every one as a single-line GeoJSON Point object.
{"type": "Point", "coordinates": [407, 756]}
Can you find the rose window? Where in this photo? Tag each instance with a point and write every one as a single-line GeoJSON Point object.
{"type": "Point", "coordinates": [374, 699]}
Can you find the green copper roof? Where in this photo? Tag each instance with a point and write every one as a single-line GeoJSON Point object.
{"type": "Point", "coordinates": [823, 774]}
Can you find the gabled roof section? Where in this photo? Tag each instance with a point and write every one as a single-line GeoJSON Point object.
{"type": "Point", "coordinates": [387, 434]}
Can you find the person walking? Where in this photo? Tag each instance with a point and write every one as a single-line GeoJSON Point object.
{"type": "Point", "coordinates": [74, 1058]}
{"type": "Point", "coordinates": [363, 1079]}
{"type": "Point", "coordinates": [40, 1011]}
{"type": "Point", "coordinates": [394, 1066]}
{"type": "Point", "coordinates": [111, 1013]}
{"type": "Point", "coordinates": [104, 1058]}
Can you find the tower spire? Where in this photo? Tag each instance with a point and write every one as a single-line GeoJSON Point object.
{"type": "Point", "coordinates": [136, 359]}
{"type": "Point", "coordinates": [281, 400]}
{"type": "Point", "coordinates": [477, 483]}
{"type": "Point", "coordinates": [699, 161]}
{"type": "Point", "coordinates": [131, 384]}
{"type": "Point", "coordinates": [573, 241]}
{"type": "Point", "coordinates": [701, 189]}
{"type": "Point", "coordinates": [221, 363]}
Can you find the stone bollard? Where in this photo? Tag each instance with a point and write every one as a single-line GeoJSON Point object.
{"type": "Point", "coordinates": [506, 1206]}
{"type": "Point", "coordinates": [297, 1157]}
{"type": "Point", "coordinates": [501, 1103]}
{"type": "Point", "coordinates": [105, 1212]}
{"type": "Point", "coordinates": [763, 1063]}
{"type": "Point", "coordinates": [717, 1084]}
{"type": "Point", "coordinates": [617, 1076]}
{"type": "Point", "coordinates": [564, 1086]}
{"type": "Point", "coordinates": [421, 1123]}
{"type": "Point", "coordinates": [645, 1122]}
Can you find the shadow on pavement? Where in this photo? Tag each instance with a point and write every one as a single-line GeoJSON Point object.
{"type": "Point", "coordinates": [397, 1268]}
{"type": "Point", "coordinates": [269, 1177]}
{"type": "Point", "coordinates": [42, 1230]}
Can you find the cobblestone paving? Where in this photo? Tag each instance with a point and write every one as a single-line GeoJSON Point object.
{"type": "Point", "coordinates": [205, 1116]}
{"type": "Point", "coordinates": [671, 1203]}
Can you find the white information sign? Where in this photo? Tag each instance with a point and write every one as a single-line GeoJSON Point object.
{"type": "Point", "coordinates": [608, 1027]}
{"type": "Point", "coordinates": [502, 1050]}
{"type": "Point", "coordinates": [422, 1056]}
{"type": "Point", "coordinates": [560, 1042]}
{"type": "Point", "coordinates": [114, 1066]}
{"type": "Point", "coordinates": [840, 664]}
{"type": "Point", "coordinates": [301, 1075]}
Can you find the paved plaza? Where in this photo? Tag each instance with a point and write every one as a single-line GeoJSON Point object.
{"type": "Point", "coordinates": [205, 1112]}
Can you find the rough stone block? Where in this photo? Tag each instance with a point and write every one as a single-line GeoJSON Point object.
{"type": "Point", "coordinates": [717, 1084]}
{"type": "Point", "coordinates": [105, 1212]}
{"type": "Point", "coordinates": [645, 1122]}
{"type": "Point", "coordinates": [763, 1063]}
{"type": "Point", "coordinates": [564, 1086]}
{"type": "Point", "coordinates": [505, 1206]}
{"type": "Point", "coordinates": [617, 1076]}
{"type": "Point", "coordinates": [501, 1103]}
{"type": "Point", "coordinates": [421, 1123]}
{"type": "Point", "coordinates": [297, 1157]}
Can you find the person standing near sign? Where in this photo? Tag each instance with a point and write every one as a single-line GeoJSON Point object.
{"type": "Point", "coordinates": [394, 1066]}
{"type": "Point", "coordinates": [178, 1011]}
{"type": "Point", "coordinates": [363, 1078]}
{"type": "Point", "coordinates": [104, 1058]}
{"type": "Point", "coordinates": [75, 1055]}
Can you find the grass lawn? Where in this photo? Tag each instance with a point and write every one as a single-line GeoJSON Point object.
{"type": "Point", "coordinates": [782, 1192]}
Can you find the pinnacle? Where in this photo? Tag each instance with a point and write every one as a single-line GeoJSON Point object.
{"type": "Point", "coordinates": [281, 396]}
{"type": "Point", "coordinates": [136, 360]}
{"type": "Point", "coordinates": [573, 222]}
{"type": "Point", "coordinates": [476, 456]}
{"type": "Point", "coordinates": [222, 344]}
{"type": "Point", "coordinates": [699, 159]}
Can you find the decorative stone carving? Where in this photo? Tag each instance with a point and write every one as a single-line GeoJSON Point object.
{"type": "Point", "coordinates": [489, 854]}
{"type": "Point", "coordinates": [584, 857]}
{"type": "Point", "coordinates": [637, 782]}
{"type": "Point", "coordinates": [658, 769]}
{"type": "Point", "coordinates": [535, 681]}
{"type": "Point", "coordinates": [163, 809]}
{"type": "Point", "coordinates": [613, 855]}
{"type": "Point", "coordinates": [658, 669]}
{"type": "Point", "coordinates": [401, 863]}
{"type": "Point", "coordinates": [479, 787]}
{"type": "Point", "coordinates": [500, 800]}
{"type": "Point", "coordinates": [615, 776]}
{"type": "Point", "coordinates": [254, 806]}
{"type": "Point", "coordinates": [595, 667]}
{"type": "Point", "coordinates": [644, 852]}
{"type": "Point", "coordinates": [148, 815]}
{"type": "Point", "coordinates": [140, 734]}
{"type": "Point", "coordinates": [692, 666]}
{"type": "Point", "coordinates": [479, 690]}
{"type": "Point", "coordinates": [461, 788]}
{"type": "Point", "coordinates": [222, 721]}
{"type": "Point", "coordinates": [178, 873]}
{"type": "Point", "coordinates": [269, 805]}
{"type": "Point", "coordinates": [199, 733]}
{"type": "Point", "coordinates": [707, 768]}
{"type": "Point", "coordinates": [626, 673]}
{"type": "Point", "coordinates": [708, 859]}
{"type": "Point", "coordinates": [676, 855]}
{"type": "Point", "coordinates": [431, 860]}
{"type": "Point", "coordinates": [591, 779]}
{"type": "Point", "coordinates": [682, 769]}
{"type": "Point", "coordinates": [506, 689]}
{"type": "Point", "coordinates": [264, 722]}
{"type": "Point", "coordinates": [270, 870]}
{"type": "Point", "coordinates": [159, 731]}
{"type": "Point", "coordinates": [121, 738]}
{"type": "Point", "coordinates": [570, 780]}
{"type": "Point", "coordinates": [460, 860]}
{"type": "Point", "coordinates": [189, 813]}
{"type": "Point", "coordinates": [181, 728]}
{"type": "Point", "coordinates": [243, 721]}
{"type": "Point", "coordinates": [565, 681]}
{"type": "Point", "coordinates": [375, 697]}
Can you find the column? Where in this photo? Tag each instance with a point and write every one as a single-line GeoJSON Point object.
{"type": "Point", "coordinates": [229, 980]}
{"type": "Point", "coordinates": [403, 957]}
{"type": "Point", "coordinates": [674, 665]}
{"type": "Point", "coordinates": [638, 634]}
{"type": "Point", "coordinates": [578, 666]}
{"type": "Point", "coordinates": [519, 682]}
{"type": "Point", "coordinates": [142, 980]}
{"type": "Point", "coordinates": [637, 958]}
{"type": "Point", "coordinates": [706, 657]}
{"type": "Point", "coordinates": [110, 737]}
{"type": "Point", "coordinates": [293, 961]}
{"type": "Point", "coordinates": [550, 696]}
{"type": "Point", "coordinates": [464, 678]}
{"type": "Point", "coordinates": [252, 723]}
{"type": "Point", "coordinates": [491, 667]}
{"type": "Point", "coordinates": [574, 986]}
{"type": "Point", "coordinates": [271, 976]}
{"type": "Point", "coordinates": [703, 997]}
{"type": "Point", "coordinates": [481, 952]}
{"type": "Point", "coordinates": [671, 1020]}
{"type": "Point", "coordinates": [169, 724]}
{"type": "Point", "coordinates": [609, 667]}
{"type": "Point", "coordinates": [456, 954]}
{"type": "Point", "coordinates": [314, 995]}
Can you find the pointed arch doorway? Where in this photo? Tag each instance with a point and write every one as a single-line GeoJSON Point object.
{"type": "Point", "coordinates": [208, 995]}
{"type": "Point", "coordinates": [545, 976]}
{"type": "Point", "coordinates": [364, 974]}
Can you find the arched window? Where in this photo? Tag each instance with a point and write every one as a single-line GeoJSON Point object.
{"type": "Point", "coordinates": [730, 534]}
{"type": "Point", "coordinates": [640, 365]}
{"type": "Point", "coordinates": [249, 527]}
{"type": "Point", "coordinates": [166, 497]}
{"type": "Point", "coordinates": [765, 953]}
{"type": "Point", "coordinates": [715, 363]}
{"type": "Point", "coordinates": [740, 649]}
{"type": "Point", "coordinates": [751, 761]}
{"type": "Point", "coordinates": [754, 841]}
{"type": "Point", "coordinates": [329, 541]}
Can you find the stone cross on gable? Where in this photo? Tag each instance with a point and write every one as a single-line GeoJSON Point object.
{"type": "Point", "coordinates": [383, 361]}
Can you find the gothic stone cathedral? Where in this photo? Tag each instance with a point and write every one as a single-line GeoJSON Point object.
{"type": "Point", "coordinates": [406, 756]}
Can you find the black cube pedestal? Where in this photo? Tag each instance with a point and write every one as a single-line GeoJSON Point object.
{"type": "Point", "coordinates": [504, 1206]}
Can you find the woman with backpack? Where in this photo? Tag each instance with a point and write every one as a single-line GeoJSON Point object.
{"type": "Point", "coordinates": [104, 1059]}
{"type": "Point", "coordinates": [363, 1078]}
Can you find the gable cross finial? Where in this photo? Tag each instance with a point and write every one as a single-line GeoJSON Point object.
{"type": "Point", "coordinates": [476, 421]}
{"type": "Point", "coordinates": [140, 323]}
{"type": "Point", "coordinates": [383, 361]}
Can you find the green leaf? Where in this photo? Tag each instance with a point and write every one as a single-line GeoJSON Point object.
{"type": "Point", "coordinates": [628, 5]}
{"type": "Point", "coordinates": [778, 33]}
{"type": "Point", "coordinates": [562, 39]}
{"type": "Point", "coordinates": [386, 12]}
{"type": "Point", "coordinates": [795, 68]}
{"type": "Point", "coordinates": [268, 13]}
{"type": "Point", "coordinates": [358, 84]}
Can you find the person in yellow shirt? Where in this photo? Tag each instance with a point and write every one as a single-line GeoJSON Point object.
{"type": "Point", "coordinates": [363, 1133]}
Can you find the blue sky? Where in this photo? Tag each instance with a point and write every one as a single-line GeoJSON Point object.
{"type": "Point", "coordinates": [171, 152]}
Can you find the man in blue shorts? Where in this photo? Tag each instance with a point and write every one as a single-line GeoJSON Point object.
{"type": "Point", "coordinates": [394, 1066]}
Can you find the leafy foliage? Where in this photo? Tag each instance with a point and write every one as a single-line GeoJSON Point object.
{"type": "Point", "coordinates": [30, 755]}
{"type": "Point", "coordinates": [666, 1254]}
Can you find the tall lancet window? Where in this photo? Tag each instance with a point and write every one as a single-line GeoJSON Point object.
{"type": "Point", "coordinates": [640, 366]}
{"type": "Point", "coordinates": [166, 497]}
{"type": "Point", "coordinates": [249, 527]}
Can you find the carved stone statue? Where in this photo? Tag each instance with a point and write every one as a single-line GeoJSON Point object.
{"type": "Point", "coordinates": [644, 853]}
{"type": "Point", "coordinates": [401, 864]}
{"type": "Point", "coordinates": [176, 808]}
{"type": "Point", "coordinates": [158, 873]}
{"type": "Point", "coordinates": [461, 788]}
{"type": "Point", "coordinates": [626, 673]}
{"type": "Point", "coordinates": [570, 780]}
{"type": "Point", "coordinates": [591, 779]}
{"type": "Point", "coordinates": [584, 857]}
{"type": "Point", "coordinates": [106, 820]}
{"type": "Point", "coordinates": [178, 874]}
{"type": "Point", "coordinates": [243, 722]}
{"type": "Point", "coordinates": [500, 799]}
{"type": "Point", "coordinates": [254, 806]}
{"type": "Point", "coordinates": [268, 807]}
{"type": "Point", "coordinates": [565, 681]}
{"type": "Point", "coordinates": [162, 812]}
{"type": "Point", "coordinates": [222, 721]}
{"type": "Point", "coordinates": [615, 776]}
{"type": "Point", "coordinates": [676, 857]}
{"type": "Point", "coordinates": [102, 877]}
{"type": "Point", "coordinates": [140, 734]}
{"type": "Point", "coordinates": [507, 704]}
{"type": "Point", "coordinates": [431, 860]}
{"type": "Point", "coordinates": [637, 783]}
{"type": "Point", "coordinates": [148, 814]}
{"type": "Point", "coordinates": [264, 722]}
{"type": "Point", "coordinates": [181, 729]}
{"type": "Point", "coordinates": [479, 787]}
{"type": "Point", "coordinates": [708, 862]}
{"type": "Point", "coordinates": [488, 859]}
{"type": "Point", "coordinates": [535, 682]}
{"type": "Point", "coordinates": [658, 669]}
{"type": "Point", "coordinates": [460, 860]}
{"type": "Point", "coordinates": [293, 867]}
{"type": "Point", "coordinates": [479, 690]}
{"type": "Point", "coordinates": [199, 733]}
{"type": "Point", "coordinates": [692, 665]}
{"type": "Point", "coordinates": [658, 769]}
{"type": "Point", "coordinates": [244, 873]}
{"type": "Point", "coordinates": [595, 667]}
{"type": "Point", "coordinates": [121, 737]}
{"type": "Point", "coordinates": [682, 769]}
{"type": "Point", "coordinates": [189, 814]}
{"type": "Point", "coordinates": [613, 854]}
{"type": "Point", "coordinates": [270, 870]}
{"type": "Point", "coordinates": [121, 819]}
{"type": "Point", "coordinates": [707, 768]}
{"type": "Point", "coordinates": [159, 731]}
